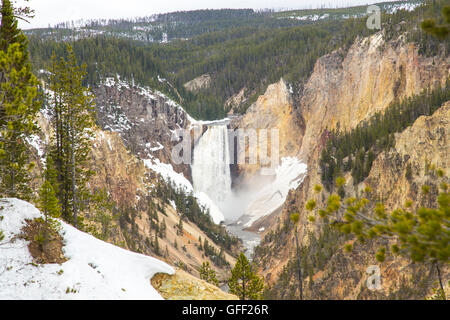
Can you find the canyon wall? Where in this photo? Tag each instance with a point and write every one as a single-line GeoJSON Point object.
{"type": "Point", "coordinates": [345, 88]}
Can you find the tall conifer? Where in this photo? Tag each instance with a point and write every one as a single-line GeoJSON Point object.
{"type": "Point", "coordinates": [18, 107]}
{"type": "Point", "coordinates": [72, 111]}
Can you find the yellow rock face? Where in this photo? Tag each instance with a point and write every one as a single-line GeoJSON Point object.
{"type": "Point", "coordinates": [183, 286]}
{"type": "Point", "coordinates": [273, 110]}
{"type": "Point", "coordinates": [343, 91]}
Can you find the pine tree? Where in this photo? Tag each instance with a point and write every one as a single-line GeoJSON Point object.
{"type": "Point", "coordinates": [50, 208]}
{"type": "Point", "coordinates": [422, 234]}
{"type": "Point", "coordinates": [439, 31]}
{"type": "Point", "coordinates": [156, 245]}
{"type": "Point", "coordinates": [180, 228]}
{"type": "Point", "coordinates": [9, 31]}
{"type": "Point", "coordinates": [295, 217]}
{"type": "Point", "coordinates": [18, 107]}
{"type": "Point", "coordinates": [244, 281]}
{"type": "Point", "coordinates": [208, 274]}
{"type": "Point", "coordinates": [162, 229]}
{"type": "Point", "coordinates": [72, 111]}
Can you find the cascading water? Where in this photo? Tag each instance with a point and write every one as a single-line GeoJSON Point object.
{"type": "Point", "coordinates": [211, 175]}
{"type": "Point", "coordinates": [211, 165]}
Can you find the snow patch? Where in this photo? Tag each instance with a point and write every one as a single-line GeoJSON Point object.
{"type": "Point", "coordinates": [177, 180]}
{"type": "Point", "coordinates": [95, 269]}
{"type": "Point", "coordinates": [288, 175]}
{"type": "Point", "coordinates": [37, 143]}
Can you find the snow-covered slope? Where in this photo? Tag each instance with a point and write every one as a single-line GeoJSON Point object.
{"type": "Point", "coordinates": [94, 270]}
{"type": "Point", "coordinates": [289, 175]}
{"type": "Point", "coordinates": [178, 181]}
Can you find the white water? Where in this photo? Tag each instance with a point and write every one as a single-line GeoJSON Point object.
{"type": "Point", "coordinates": [211, 165]}
{"type": "Point", "coordinates": [211, 176]}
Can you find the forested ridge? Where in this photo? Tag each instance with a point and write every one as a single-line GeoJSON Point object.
{"type": "Point", "coordinates": [355, 150]}
{"type": "Point", "coordinates": [246, 55]}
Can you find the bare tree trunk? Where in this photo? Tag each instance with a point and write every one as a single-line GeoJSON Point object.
{"type": "Point", "coordinates": [243, 289]}
{"type": "Point", "coordinates": [74, 187]}
{"type": "Point", "coordinates": [300, 278]}
{"type": "Point", "coordinates": [74, 192]}
{"type": "Point", "coordinates": [440, 279]}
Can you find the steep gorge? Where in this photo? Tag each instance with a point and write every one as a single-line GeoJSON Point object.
{"type": "Point", "coordinates": [139, 212]}
{"type": "Point", "coordinates": [136, 126]}
{"type": "Point", "coordinates": [345, 89]}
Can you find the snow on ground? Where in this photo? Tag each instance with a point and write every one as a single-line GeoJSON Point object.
{"type": "Point", "coordinates": [289, 175]}
{"type": "Point", "coordinates": [179, 181]}
{"type": "Point", "coordinates": [95, 269]}
{"type": "Point", "coordinates": [173, 204]}
{"type": "Point", "coordinates": [36, 142]}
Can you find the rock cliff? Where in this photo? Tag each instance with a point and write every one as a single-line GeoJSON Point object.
{"type": "Point", "coordinates": [345, 88]}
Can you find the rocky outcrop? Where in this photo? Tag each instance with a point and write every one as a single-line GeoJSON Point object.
{"type": "Point", "coordinates": [199, 83]}
{"type": "Point", "coordinates": [236, 100]}
{"type": "Point", "coordinates": [273, 110]}
{"type": "Point", "coordinates": [344, 89]}
{"type": "Point", "coordinates": [347, 88]}
{"type": "Point", "coordinates": [145, 120]}
{"type": "Point", "coordinates": [183, 286]}
{"type": "Point", "coordinates": [423, 144]}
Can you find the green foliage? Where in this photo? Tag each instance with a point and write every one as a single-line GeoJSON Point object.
{"type": "Point", "coordinates": [48, 203]}
{"type": "Point", "coordinates": [18, 107]}
{"type": "Point", "coordinates": [180, 228]}
{"type": "Point", "coordinates": [421, 235]}
{"type": "Point", "coordinates": [156, 246]}
{"type": "Point", "coordinates": [2, 235]}
{"type": "Point", "coordinates": [317, 188]}
{"type": "Point", "coordinates": [438, 294]}
{"type": "Point", "coordinates": [9, 31]}
{"type": "Point", "coordinates": [218, 258]}
{"type": "Point", "coordinates": [355, 150]}
{"type": "Point", "coordinates": [101, 208]}
{"type": "Point", "coordinates": [49, 206]}
{"type": "Point", "coordinates": [315, 256]}
{"type": "Point", "coordinates": [162, 229]}
{"type": "Point", "coordinates": [208, 274]}
{"type": "Point", "coordinates": [190, 209]}
{"type": "Point", "coordinates": [244, 281]}
{"type": "Point", "coordinates": [295, 217]}
{"type": "Point", "coordinates": [348, 248]}
{"type": "Point", "coordinates": [439, 31]}
{"type": "Point", "coordinates": [71, 107]}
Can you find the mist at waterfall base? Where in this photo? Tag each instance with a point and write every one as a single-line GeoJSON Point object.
{"type": "Point", "coordinates": [259, 196]}
{"type": "Point", "coordinates": [240, 199]}
{"type": "Point", "coordinates": [211, 174]}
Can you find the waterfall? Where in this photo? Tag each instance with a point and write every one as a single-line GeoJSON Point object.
{"type": "Point", "coordinates": [211, 165]}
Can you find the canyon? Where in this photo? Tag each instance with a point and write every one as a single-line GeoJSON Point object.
{"type": "Point", "coordinates": [242, 177]}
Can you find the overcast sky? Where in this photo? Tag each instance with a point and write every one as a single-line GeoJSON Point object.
{"type": "Point", "coordinates": [54, 11]}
